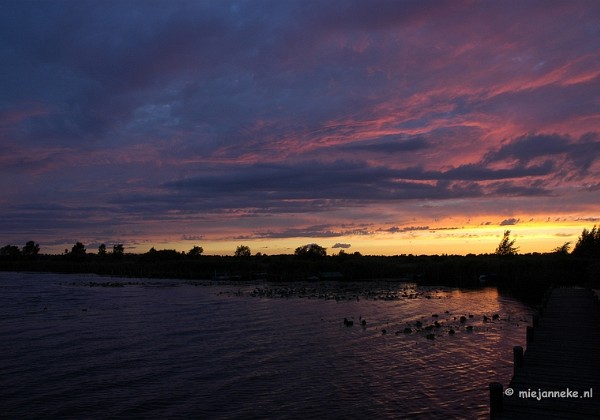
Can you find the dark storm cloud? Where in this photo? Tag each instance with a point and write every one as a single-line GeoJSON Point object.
{"type": "Point", "coordinates": [527, 148]}
{"type": "Point", "coordinates": [580, 153]}
{"type": "Point", "coordinates": [515, 189]}
{"type": "Point", "coordinates": [354, 181]}
{"type": "Point", "coordinates": [583, 150]}
{"type": "Point", "coordinates": [320, 185]}
{"type": "Point", "coordinates": [477, 172]}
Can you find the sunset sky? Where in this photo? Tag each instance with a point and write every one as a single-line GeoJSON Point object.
{"type": "Point", "coordinates": [383, 127]}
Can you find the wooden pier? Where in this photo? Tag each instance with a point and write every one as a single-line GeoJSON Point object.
{"type": "Point", "coordinates": [563, 355]}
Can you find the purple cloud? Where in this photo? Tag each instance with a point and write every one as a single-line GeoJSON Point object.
{"type": "Point", "coordinates": [137, 116]}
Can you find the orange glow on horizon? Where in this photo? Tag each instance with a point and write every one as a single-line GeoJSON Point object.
{"type": "Point", "coordinates": [531, 237]}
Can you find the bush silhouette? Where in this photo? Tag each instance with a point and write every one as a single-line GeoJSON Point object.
{"type": "Point", "coordinates": [507, 246]}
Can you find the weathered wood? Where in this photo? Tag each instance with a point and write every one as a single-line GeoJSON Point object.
{"type": "Point", "coordinates": [563, 354]}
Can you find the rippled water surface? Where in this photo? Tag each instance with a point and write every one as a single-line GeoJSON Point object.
{"type": "Point", "coordinates": [164, 349]}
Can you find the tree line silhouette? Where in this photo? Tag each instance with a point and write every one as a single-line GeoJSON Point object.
{"type": "Point", "coordinates": [524, 275]}
{"type": "Point", "coordinates": [587, 246]}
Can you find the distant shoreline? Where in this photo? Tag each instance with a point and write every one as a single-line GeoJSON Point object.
{"type": "Point", "coordinates": [524, 276]}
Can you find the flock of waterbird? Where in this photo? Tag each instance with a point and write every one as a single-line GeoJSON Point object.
{"type": "Point", "coordinates": [429, 327]}
{"type": "Point", "coordinates": [432, 327]}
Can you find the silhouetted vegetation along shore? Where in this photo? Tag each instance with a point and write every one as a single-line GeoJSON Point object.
{"type": "Point", "coordinates": [525, 276]}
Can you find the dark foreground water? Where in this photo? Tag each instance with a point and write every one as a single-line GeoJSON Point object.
{"type": "Point", "coordinates": [170, 349]}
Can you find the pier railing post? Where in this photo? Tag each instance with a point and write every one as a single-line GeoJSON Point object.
{"type": "Point", "coordinates": [518, 357]}
{"type": "Point", "coordinates": [529, 335]}
{"type": "Point", "coordinates": [496, 397]}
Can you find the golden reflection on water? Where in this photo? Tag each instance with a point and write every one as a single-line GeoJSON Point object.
{"type": "Point", "coordinates": [429, 374]}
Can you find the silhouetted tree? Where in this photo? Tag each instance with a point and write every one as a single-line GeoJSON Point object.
{"type": "Point", "coordinates": [196, 251]}
{"type": "Point", "coordinates": [118, 251]}
{"type": "Point", "coordinates": [78, 250]}
{"type": "Point", "coordinates": [563, 249]}
{"type": "Point", "coordinates": [311, 250]}
{"type": "Point", "coordinates": [10, 251]}
{"type": "Point", "coordinates": [242, 251]}
{"type": "Point", "coordinates": [102, 250]}
{"type": "Point", "coordinates": [31, 249]}
{"type": "Point", "coordinates": [588, 244]}
{"type": "Point", "coordinates": [507, 246]}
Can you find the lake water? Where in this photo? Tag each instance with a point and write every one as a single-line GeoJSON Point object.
{"type": "Point", "coordinates": [168, 349]}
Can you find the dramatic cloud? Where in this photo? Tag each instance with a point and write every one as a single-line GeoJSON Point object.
{"type": "Point", "coordinates": [396, 229]}
{"type": "Point", "coordinates": [170, 121]}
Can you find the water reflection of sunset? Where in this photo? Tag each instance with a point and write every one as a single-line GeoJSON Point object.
{"type": "Point", "coordinates": [223, 353]}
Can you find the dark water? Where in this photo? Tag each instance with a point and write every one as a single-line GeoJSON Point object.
{"type": "Point", "coordinates": [170, 349]}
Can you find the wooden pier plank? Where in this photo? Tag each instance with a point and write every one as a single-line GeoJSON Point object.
{"type": "Point", "coordinates": [564, 354]}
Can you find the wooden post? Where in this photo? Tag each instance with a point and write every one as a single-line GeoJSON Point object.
{"type": "Point", "coordinates": [529, 335]}
{"type": "Point", "coordinates": [495, 397]}
{"type": "Point", "coordinates": [518, 357]}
